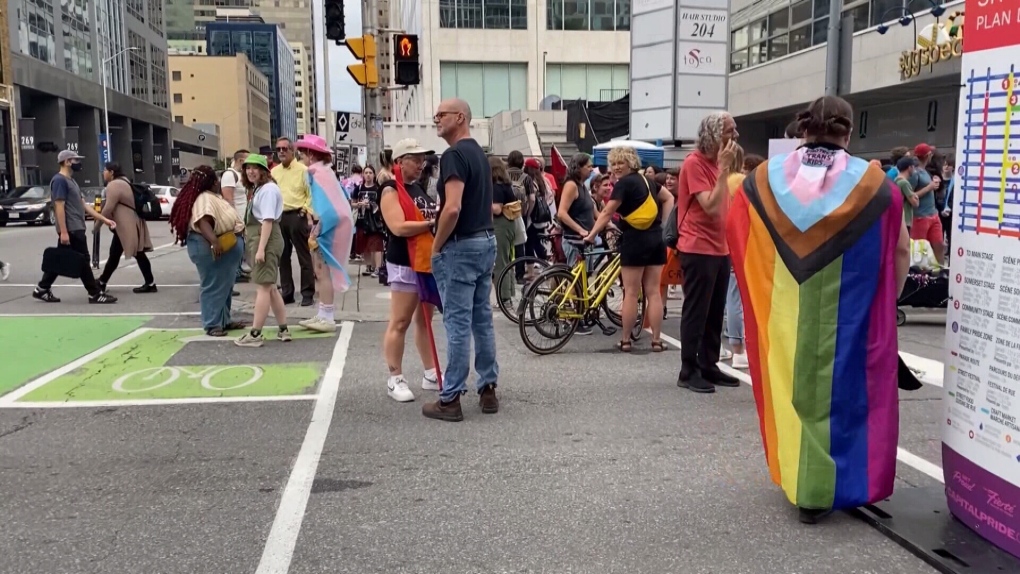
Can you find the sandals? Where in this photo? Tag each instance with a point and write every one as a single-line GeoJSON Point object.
{"type": "Point", "coordinates": [658, 346]}
{"type": "Point", "coordinates": [624, 346]}
{"type": "Point", "coordinates": [216, 332]}
{"type": "Point", "coordinates": [234, 326]}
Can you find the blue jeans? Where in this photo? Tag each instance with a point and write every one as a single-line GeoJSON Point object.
{"type": "Point", "coordinates": [216, 279]}
{"type": "Point", "coordinates": [734, 313]}
{"type": "Point", "coordinates": [463, 272]}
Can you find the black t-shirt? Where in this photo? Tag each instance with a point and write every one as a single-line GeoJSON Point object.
{"type": "Point", "coordinates": [396, 247]}
{"type": "Point", "coordinates": [467, 162]}
{"type": "Point", "coordinates": [631, 192]}
{"type": "Point", "coordinates": [369, 217]}
{"type": "Point", "coordinates": [503, 193]}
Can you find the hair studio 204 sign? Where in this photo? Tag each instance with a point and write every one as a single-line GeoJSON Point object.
{"type": "Point", "coordinates": [936, 43]}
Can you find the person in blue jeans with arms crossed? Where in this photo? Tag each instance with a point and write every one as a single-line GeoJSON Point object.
{"type": "Point", "coordinates": [463, 256]}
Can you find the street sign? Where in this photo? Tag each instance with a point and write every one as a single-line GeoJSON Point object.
{"type": "Point", "coordinates": [342, 161]}
{"type": "Point", "coordinates": [343, 126]}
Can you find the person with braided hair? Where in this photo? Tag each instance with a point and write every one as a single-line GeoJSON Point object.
{"type": "Point", "coordinates": [210, 228]}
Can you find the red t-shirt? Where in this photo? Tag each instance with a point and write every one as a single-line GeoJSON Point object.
{"type": "Point", "coordinates": [700, 232]}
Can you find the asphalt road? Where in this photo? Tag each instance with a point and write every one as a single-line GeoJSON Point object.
{"type": "Point", "coordinates": [596, 463]}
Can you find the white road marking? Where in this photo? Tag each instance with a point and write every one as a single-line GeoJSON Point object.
{"type": "Point", "coordinates": [279, 549]}
{"type": "Point", "coordinates": [152, 402]}
{"type": "Point", "coordinates": [906, 457]}
{"type": "Point", "coordinates": [158, 314]}
{"type": "Point", "coordinates": [9, 398]}
{"type": "Point", "coordinates": [931, 370]}
{"type": "Point", "coordinates": [78, 285]}
{"type": "Point", "coordinates": [164, 246]}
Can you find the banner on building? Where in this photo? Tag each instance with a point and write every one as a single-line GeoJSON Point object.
{"type": "Point", "coordinates": [71, 141]}
{"type": "Point", "coordinates": [981, 434]}
{"type": "Point", "coordinates": [157, 161]}
{"type": "Point", "coordinates": [136, 156]}
{"type": "Point", "coordinates": [26, 135]}
{"type": "Point", "coordinates": [104, 149]}
{"type": "Point", "coordinates": [175, 159]}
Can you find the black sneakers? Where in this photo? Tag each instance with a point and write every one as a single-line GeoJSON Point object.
{"type": "Point", "coordinates": [46, 296]}
{"type": "Point", "coordinates": [147, 288]}
{"type": "Point", "coordinates": [102, 299]}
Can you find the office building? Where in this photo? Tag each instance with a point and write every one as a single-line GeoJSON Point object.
{"type": "Point", "coordinates": [60, 51]}
{"type": "Point", "coordinates": [187, 19]}
{"type": "Point", "coordinates": [513, 54]}
{"type": "Point", "coordinates": [304, 89]}
{"type": "Point", "coordinates": [226, 91]}
{"type": "Point", "coordinates": [777, 65]}
{"type": "Point", "coordinates": [266, 47]}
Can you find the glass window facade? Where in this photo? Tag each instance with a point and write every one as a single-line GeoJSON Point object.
{"type": "Point", "coordinates": [155, 19]}
{"type": "Point", "coordinates": [592, 82]}
{"type": "Point", "coordinates": [488, 88]}
{"type": "Point", "coordinates": [139, 66]}
{"type": "Point", "coordinates": [157, 59]}
{"type": "Point", "coordinates": [605, 15]}
{"type": "Point", "coordinates": [136, 8]}
{"type": "Point", "coordinates": [801, 24]}
{"type": "Point", "coordinates": [36, 30]}
{"type": "Point", "coordinates": [76, 27]}
{"type": "Point", "coordinates": [484, 14]}
{"type": "Point", "coordinates": [110, 30]}
{"type": "Point", "coordinates": [268, 51]}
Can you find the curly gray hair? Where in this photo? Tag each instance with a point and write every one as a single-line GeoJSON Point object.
{"type": "Point", "coordinates": [710, 132]}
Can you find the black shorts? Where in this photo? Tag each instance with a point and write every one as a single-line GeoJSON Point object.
{"type": "Point", "coordinates": [642, 248]}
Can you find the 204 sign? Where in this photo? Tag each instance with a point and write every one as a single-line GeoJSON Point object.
{"type": "Point", "coordinates": [702, 30]}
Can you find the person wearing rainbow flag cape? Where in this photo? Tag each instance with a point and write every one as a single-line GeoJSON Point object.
{"type": "Point", "coordinates": [331, 235]}
{"type": "Point", "coordinates": [819, 249]}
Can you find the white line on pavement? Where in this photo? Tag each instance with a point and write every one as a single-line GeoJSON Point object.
{"type": "Point", "coordinates": [158, 314]}
{"type": "Point", "coordinates": [78, 285]}
{"type": "Point", "coordinates": [906, 457]}
{"type": "Point", "coordinates": [8, 399]}
{"type": "Point", "coordinates": [152, 402]}
{"type": "Point", "coordinates": [279, 549]}
{"type": "Point", "coordinates": [164, 246]}
{"type": "Point", "coordinates": [931, 370]}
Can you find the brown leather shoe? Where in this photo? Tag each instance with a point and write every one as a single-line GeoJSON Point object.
{"type": "Point", "coordinates": [488, 400]}
{"type": "Point", "coordinates": [449, 412]}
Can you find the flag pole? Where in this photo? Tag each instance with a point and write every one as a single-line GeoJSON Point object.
{"type": "Point", "coordinates": [432, 342]}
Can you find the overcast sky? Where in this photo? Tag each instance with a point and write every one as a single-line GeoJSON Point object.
{"type": "Point", "coordinates": [346, 94]}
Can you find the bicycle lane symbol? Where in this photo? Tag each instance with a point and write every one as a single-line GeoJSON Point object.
{"type": "Point", "coordinates": [168, 375]}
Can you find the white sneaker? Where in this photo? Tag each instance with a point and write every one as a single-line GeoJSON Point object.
{"type": "Point", "coordinates": [397, 389]}
{"type": "Point", "coordinates": [248, 340]}
{"type": "Point", "coordinates": [725, 354]}
{"type": "Point", "coordinates": [5, 271]}
{"type": "Point", "coordinates": [740, 361]}
{"type": "Point", "coordinates": [428, 384]}
{"type": "Point", "coordinates": [319, 325]}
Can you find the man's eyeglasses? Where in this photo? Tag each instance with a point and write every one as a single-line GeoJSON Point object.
{"type": "Point", "coordinates": [441, 115]}
{"type": "Point", "coordinates": [283, 149]}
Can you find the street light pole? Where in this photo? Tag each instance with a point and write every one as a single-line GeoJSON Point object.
{"type": "Point", "coordinates": [106, 107]}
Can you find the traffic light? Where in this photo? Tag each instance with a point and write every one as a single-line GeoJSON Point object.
{"type": "Point", "coordinates": [407, 72]}
{"type": "Point", "coordinates": [367, 73]}
{"type": "Point", "coordinates": [335, 24]}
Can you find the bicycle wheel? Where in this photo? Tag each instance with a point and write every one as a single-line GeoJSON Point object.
{"type": "Point", "coordinates": [639, 324]}
{"type": "Point", "coordinates": [510, 306]}
{"type": "Point", "coordinates": [539, 320]}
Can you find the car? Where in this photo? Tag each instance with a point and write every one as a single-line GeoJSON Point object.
{"type": "Point", "coordinates": [30, 204]}
{"type": "Point", "coordinates": [166, 195]}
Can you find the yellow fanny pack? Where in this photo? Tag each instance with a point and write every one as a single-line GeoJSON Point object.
{"type": "Point", "coordinates": [512, 210]}
{"type": "Point", "coordinates": [644, 216]}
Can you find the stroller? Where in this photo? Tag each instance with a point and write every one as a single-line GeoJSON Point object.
{"type": "Point", "coordinates": [927, 285]}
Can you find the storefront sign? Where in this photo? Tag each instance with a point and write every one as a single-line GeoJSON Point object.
{"type": "Point", "coordinates": [942, 43]}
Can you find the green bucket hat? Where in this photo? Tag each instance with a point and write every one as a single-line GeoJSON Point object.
{"type": "Point", "coordinates": [257, 159]}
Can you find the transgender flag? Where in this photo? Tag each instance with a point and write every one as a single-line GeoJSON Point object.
{"type": "Point", "coordinates": [332, 205]}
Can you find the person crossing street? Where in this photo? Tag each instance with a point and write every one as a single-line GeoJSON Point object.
{"type": "Point", "coordinates": [292, 178]}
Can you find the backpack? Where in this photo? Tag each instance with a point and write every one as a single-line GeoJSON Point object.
{"type": "Point", "coordinates": [146, 203]}
{"type": "Point", "coordinates": [519, 183]}
{"type": "Point", "coordinates": [540, 213]}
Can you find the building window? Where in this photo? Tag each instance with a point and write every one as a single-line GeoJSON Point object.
{"type": "Point", "coordinates": [787, 30]}
{"type": "Point", "coordinates": [77, 32]}
{"type": "Point", "coordinates": [136, 8]}
{"type": "Point", "coordinates": [488, 88]}
{"type": "Point", "coordinates": [178, 98]}
{"type": "Point", "coordinates": [607, 15]}
{"type": "Point", "coordinates": [484, 14]}
{"type": "Point", "coordinates": [176, 76]}
{"type": "Point", "coordinates": [157, 59]}
{"type": "Point", "coordinates": [156, 16]}
{"type": "Point", "coordinates": [36, 30]}
{"type": "Point", "coordinates": [592, 82]}
{"type": "Point", "coordinates": [179, 119]}
{"type": "Point", "coordinates": [139, 67]}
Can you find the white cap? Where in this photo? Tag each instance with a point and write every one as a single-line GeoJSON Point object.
{"type": "Point", "coordinates": [408, 146]}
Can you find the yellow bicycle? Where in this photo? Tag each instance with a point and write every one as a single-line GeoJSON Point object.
{"type": "Point", "coordinates": [560, 300]}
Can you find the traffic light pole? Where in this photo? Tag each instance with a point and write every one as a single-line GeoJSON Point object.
{"type": "Point", "coordinates": [373, 96]}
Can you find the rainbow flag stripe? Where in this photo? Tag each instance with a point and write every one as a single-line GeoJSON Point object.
{"type": "Point", "coordinates": [817, 280]}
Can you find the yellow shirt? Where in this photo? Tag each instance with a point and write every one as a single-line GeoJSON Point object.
{"type": "Point", "coordinates": [293, 182]}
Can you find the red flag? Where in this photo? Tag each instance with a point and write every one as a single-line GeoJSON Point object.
{"type": "Point", "coordinates": [557, 166]}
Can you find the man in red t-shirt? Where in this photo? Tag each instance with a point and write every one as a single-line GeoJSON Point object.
{"type": "Point", "coordinates": [702, 200]}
